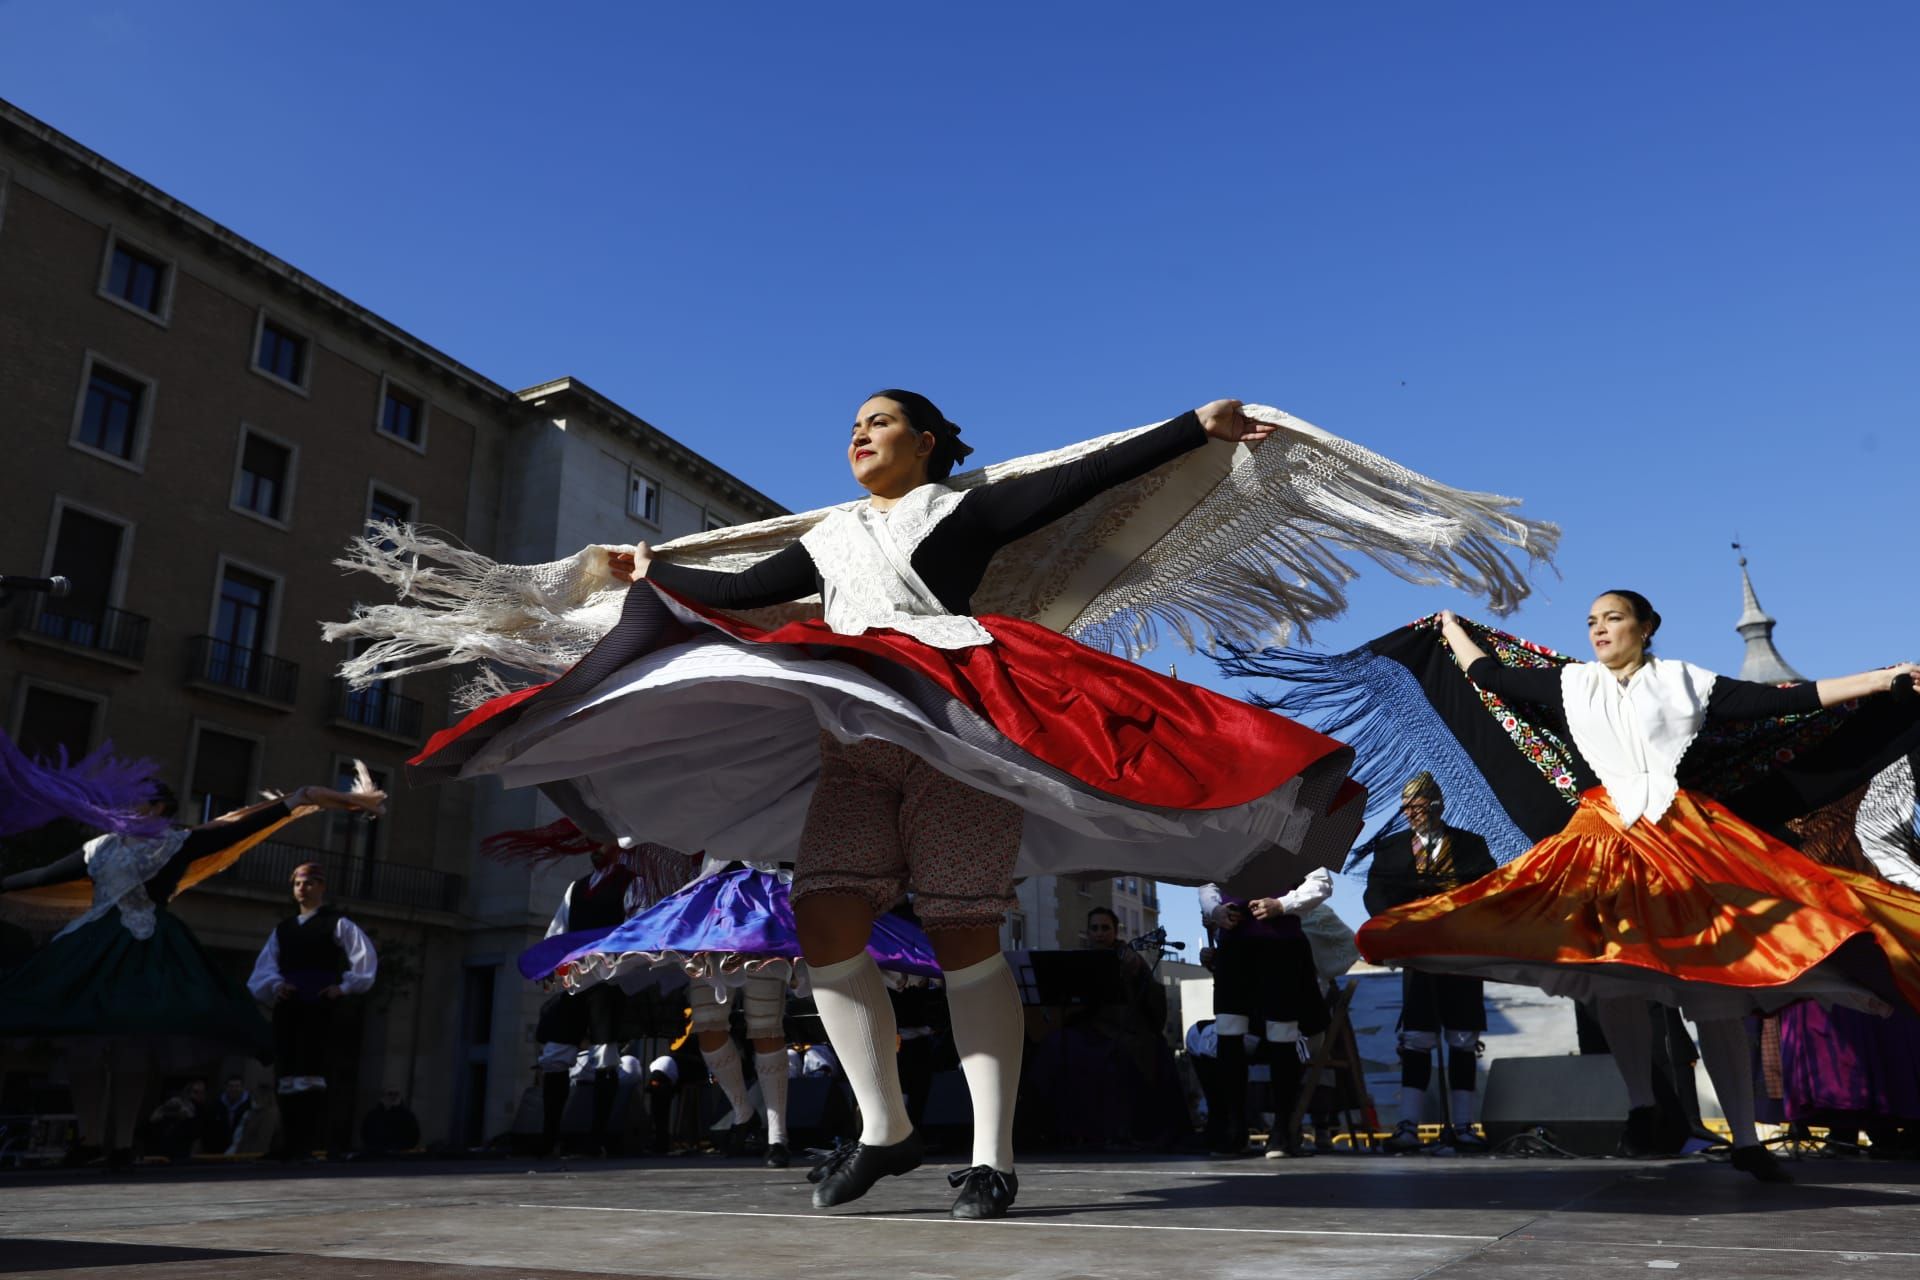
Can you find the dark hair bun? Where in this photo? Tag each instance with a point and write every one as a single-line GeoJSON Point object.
{"type": "Point", "coordinates": [923, 415]}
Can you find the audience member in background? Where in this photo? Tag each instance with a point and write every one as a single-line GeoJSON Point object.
{"type": "Point", "coordinates": [175, 1125]}
{"type": "Point", "coordinates": [225, 1117]}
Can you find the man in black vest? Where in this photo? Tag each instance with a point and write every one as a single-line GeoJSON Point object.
{"type": "Point", "coordinates": [1430, 857]}
{"type": "Point", "coordinates": [1264, 985]}
{"type": "Point", "coordinates": [597, 900]}
{"type": "Point", "coordinates": [313, 969]}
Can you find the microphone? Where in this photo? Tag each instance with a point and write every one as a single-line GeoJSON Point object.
{"type": "Point", "coordinates": [55, 586]}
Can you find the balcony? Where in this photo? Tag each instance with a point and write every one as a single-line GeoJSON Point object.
{"type": "Point", "coordinates": [113, 634]}
{"type": "Point", "coordinates": [223, 667]}
{"type": "Point", "coordinates": [377, 710]}
{"type": "Point", "coordinates": [349, 879]}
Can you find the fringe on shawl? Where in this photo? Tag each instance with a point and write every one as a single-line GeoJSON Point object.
{"type": "Point", "coordinates": [1254, 559]}
{"type": "Point", "coordinates": [1259, 559]}
{"type": "Point", "coordinates": [467, 609]}
{"type": "Point", "coordinates": [1377, 707]}
{"type": "Point", "coordinates": [100, 790]}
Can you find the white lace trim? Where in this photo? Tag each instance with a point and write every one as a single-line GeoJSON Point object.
{"type": "Point", "coordinates": [864, 558]}
{"type": "Point", "coordinates": [119, 867]}
{"type": "Point", "coordinates": [1634, 735]}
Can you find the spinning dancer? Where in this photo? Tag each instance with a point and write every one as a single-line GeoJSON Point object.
{"type": "Point", "coordinates": [312, 970]}
{"type": "Point", "coordinates": [913, 744]}
{"type": "Point", "coordinates": [1432, 857]}
{"type": "Point", "coordinates": [127, 982]}
{"type": "Point", "coordinates": [731, 932]}
{"type": "Point", "coordinates": [1264, 975]}
{"type": "Point", "coordinates": [1655, 892]}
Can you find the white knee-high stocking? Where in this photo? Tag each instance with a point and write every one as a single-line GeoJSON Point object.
{"type": "Point", "coordinates": [854, 1008]}
{"type": "Point", "coordinates": [771, 1068]}
{"type": "Point", "coordinates": [990, 1034]}
{"type": "Point", "coordinates": [724, 1063]}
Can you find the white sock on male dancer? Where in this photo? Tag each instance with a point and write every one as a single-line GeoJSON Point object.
{"type": "Point", "coordinates": [851, 998]}
{"type": "Point", "coordinates": [1727, 1054]}
{"type": "Point", "coordinates": [989, 1031]}
{"type": "Point", "coordinates": [771, 1069]}
{"type": "Point", "coordinates": [1413, 1103]}
{"type": "Point", "coordinates": [1463, 1108]}
{"type": "Point", "coordinates": [1625, 1022]}
{"type": "Point", "coordinates": [724, 1063]}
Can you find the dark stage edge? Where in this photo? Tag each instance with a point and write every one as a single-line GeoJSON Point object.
{"type": "Point", "coordinates": [698, 1219]}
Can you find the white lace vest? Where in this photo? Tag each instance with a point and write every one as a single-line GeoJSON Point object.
{"type": "Point", "coordinates": [1633, 735]}
{"type": "Point", "coordinates": [865, 560]}
{"type": "Point", "coordinates": [119, 867]}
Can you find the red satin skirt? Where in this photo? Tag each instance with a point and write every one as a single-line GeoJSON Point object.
{"type": "Point", "coordinates": [1699, 908]}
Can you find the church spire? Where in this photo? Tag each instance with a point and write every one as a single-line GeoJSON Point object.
{"type": "Point", "coordinates": [1763, 662]}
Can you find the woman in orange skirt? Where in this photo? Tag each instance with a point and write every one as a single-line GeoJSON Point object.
{"type": "Point", "coordinates": [1652, 892]}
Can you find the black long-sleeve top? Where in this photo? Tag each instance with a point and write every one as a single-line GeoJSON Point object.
{"type": "Point", "coordinates": [953, 557]}
{"type": "Point", "coordinates": [160, 886]}
{"type": "Point", "coordinates": [1730, 699]}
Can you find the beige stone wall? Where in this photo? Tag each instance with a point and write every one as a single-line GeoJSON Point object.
{"type": "Point", "coordinates": [523, 480]}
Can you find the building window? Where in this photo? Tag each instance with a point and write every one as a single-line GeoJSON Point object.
{"type": "Point", "coordinates": [281, 353]}
{"type": "Point", "coordinates": [236, 656]}
{"type": "Point", "coordinates": [384, 507]}
{"type": "Point", "coordinates": [223, 771]}
{"type": "Point", "coordinates": [643, 497]}
{"type": "Point", "coordinates": [711, 522]}
{"type": "Point", "coordinates": [265, 482]}
{"type": "Point", "coordinates": [136, 278]}
{"type": "Point", "coordinates": [88, 551]}
{"type": "Point", "coordinates": [111, 415]}
{"type": "Point", "coordinates": [52, 722]}
{"type": "Point", "coordinates": [403, 416]}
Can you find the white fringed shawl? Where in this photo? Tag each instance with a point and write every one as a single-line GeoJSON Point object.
{"type": "Point", "coordinates": [1230, 541]}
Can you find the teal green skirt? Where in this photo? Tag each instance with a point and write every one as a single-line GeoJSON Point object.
{"type": "Point", "coordinates": [100, 980]}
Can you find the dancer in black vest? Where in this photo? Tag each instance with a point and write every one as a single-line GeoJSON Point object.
{"type": "Point", "coordinates": [1431, 857]}
{"type": "Point", "coordinates": [1264, 981]}
{"type": "Point", "coordinates": [597, 900]}
{"type": "Point", "coordinates": [314, 965]}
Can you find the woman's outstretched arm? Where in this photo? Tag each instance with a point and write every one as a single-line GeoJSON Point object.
{"type": "Point", "coordinates": [787, 574]}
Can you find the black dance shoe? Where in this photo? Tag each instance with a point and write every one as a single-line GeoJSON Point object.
{"type": "Point", "coordinates": [777, 1157]}
{"type": "Point", "coordinates": [1642, 1134]}
{"type": "Point", "coordinates": [985, 1192]}
{"type": "Point", "coordinates": [853, 1168]}
{"type": "Point", "coordinates": [1759, 1162]}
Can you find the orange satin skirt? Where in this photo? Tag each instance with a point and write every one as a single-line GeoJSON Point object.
{"type": "Point", "coordinates": [1700, 909]}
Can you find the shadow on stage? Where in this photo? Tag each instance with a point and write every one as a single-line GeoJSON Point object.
{"type": "Point", "coordinates": [1684, 1188]}
{"type": "Point", "coordinates": [31, 1254]}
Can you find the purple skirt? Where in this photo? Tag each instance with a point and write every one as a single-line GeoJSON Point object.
{"type": "Point", "coordinates": [1841, 1060]}
{"type": "Point", "coordinates": [725, 928]}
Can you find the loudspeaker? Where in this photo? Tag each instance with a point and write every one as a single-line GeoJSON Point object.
{"type": "Point", "coordinates": [1578, 1099]}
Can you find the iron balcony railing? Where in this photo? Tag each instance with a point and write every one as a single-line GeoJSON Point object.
{"type": "Point", "coordinates": [219, 662]}
{"type": "Point", "coordinates": [109, 631]}
{"type": "Point", "coordinates": [378, 709]}
{"type": "Point", "coordinates": [270, 864]}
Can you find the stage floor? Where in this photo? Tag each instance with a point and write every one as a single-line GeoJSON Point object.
{"type": "Point", "coordinates": [1114, 1219]}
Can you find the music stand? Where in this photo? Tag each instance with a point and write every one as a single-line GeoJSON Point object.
{"type": "Point", "coordinates": [1068, 977]}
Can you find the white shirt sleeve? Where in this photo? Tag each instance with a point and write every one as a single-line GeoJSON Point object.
{"type": "Point", "coordinates": [1313, 891]}
{"type": "Point", "coordinates": [362, 963]}
{"type": "Point", "coordinates": [266, 970]}
{"type": "Point", "coordinates": [562, 913]}
{"type": "Point", "coordinates": [1209, 901]}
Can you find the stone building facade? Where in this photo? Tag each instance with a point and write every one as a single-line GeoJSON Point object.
{"type": "Point", "coordinates": [194, 428]}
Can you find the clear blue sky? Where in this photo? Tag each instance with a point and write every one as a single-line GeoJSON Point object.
{"type": "Point", "coordinates": [1652, 266]}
